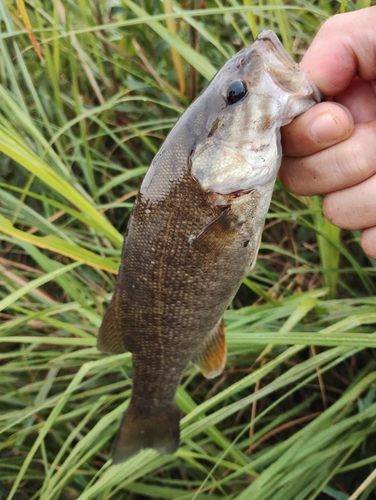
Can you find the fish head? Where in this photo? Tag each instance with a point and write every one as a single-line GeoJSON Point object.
{"type": "Point", "coordinates": [241, 111]}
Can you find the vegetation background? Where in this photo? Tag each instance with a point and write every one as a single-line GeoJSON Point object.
{"type": "Point", "coordinates": [89, 90]}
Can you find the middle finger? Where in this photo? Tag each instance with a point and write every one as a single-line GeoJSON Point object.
{"type": "Point", "coordinates": [337, 167]}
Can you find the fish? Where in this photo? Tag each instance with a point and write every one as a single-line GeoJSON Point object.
{"type": "Point", "coordinates": [194, 233]}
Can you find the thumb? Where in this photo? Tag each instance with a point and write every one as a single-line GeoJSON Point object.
{"type": "Point", "coordinates": [321, 126]}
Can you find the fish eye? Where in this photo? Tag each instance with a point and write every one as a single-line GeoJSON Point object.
{"type": "Point", "coordinates": [236, 91]}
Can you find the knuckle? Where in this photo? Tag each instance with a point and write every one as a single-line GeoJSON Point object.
{"type": "Point", "coordinates": [351, 164]}
{"type": "Point", "coordinates": [354, 159]}
{"type": "Point", "coordinates": [330, 24]}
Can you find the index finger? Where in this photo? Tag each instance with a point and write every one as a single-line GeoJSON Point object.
{"type": "Point", "coordinates": [344, 47]}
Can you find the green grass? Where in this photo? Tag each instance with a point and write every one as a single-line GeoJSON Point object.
{"type": "Point", "coordinates": [294, 414]}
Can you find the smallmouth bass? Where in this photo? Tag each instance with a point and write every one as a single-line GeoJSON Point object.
{"type": "Point", "coordinates": [194, 233]}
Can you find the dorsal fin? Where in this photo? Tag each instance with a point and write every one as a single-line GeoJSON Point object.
{"type": "Point", "coordinates": [212, 357]}
{"type": "Point", "coordinates": [110, 336]}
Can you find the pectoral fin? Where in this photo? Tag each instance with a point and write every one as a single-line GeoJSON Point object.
{"type": "Point", "coordinates": [110, 336]}
{"type": "Point", "coordinates": [212, 358]}
{"type": "Point", "coordinates": [217, 233]}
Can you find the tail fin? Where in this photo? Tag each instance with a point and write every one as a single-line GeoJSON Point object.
{"type": "Point", "coordinates": [158, 430]}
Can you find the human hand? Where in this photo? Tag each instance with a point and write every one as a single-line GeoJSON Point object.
{"type": "Point", "coordinates": [331, 148]}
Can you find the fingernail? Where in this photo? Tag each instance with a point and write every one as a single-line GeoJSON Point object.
{"type": "Point", "coordinates": [327, 128]}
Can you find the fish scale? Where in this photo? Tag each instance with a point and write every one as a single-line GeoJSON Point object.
{"type": "Point", "coordinates": [194, 233]}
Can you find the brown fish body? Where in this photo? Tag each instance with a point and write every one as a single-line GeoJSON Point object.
{"type": "Point", "coordinates": [194, 233]}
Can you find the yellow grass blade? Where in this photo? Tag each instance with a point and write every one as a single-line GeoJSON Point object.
{"type": "Point", "coordinates": [61, 247]}
{"type": "Point", "coordinates": [26, 20]}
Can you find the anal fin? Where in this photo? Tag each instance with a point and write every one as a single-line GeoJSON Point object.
{"type": "Point", "coordinates": [111, 337]}
{"type": "Point", "coordinates": [212, 358]}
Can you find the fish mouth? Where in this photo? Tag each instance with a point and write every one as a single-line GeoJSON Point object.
{"type": "Point", "coordinates": [273, 45]}
{"type": "Point", "coordinates": [281, 66]}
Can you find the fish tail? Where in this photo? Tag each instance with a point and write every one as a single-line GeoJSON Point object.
{"type": "Point", "coordinates": [158, 430]}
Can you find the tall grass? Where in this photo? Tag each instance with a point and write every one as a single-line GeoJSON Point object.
{"type": "Point", "coordinates": [89, 89]}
